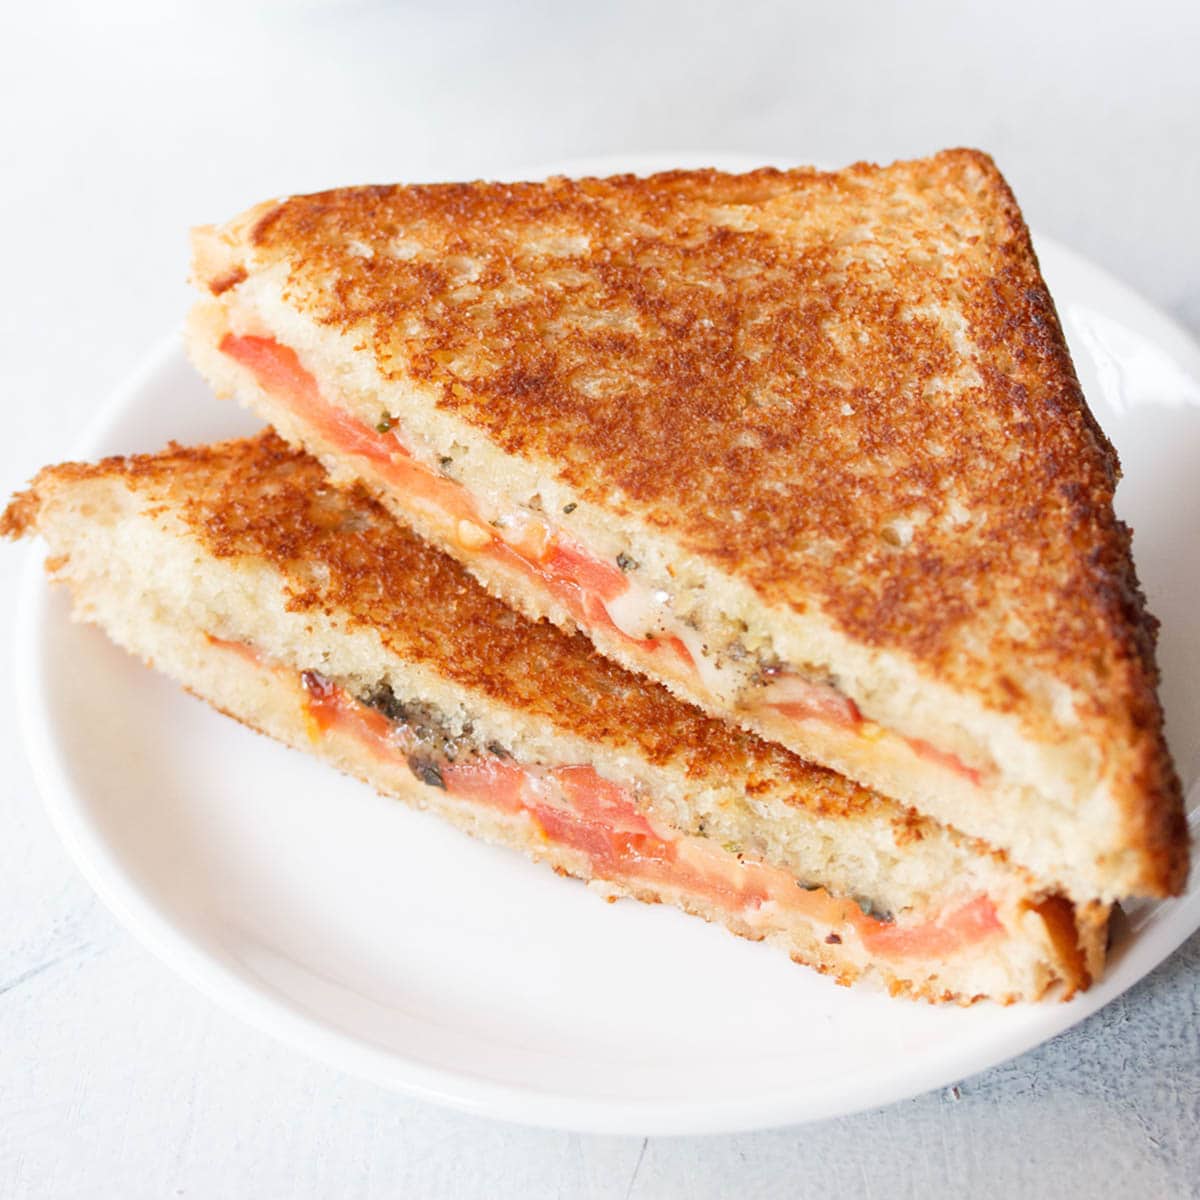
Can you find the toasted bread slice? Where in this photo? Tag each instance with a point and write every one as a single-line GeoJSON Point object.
{"type": "Point", "coordinates": [805, 447]}
{"type": "Point", "coordinates": [312, 615]}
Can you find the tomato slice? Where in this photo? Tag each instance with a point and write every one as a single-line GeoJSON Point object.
{"type": "Point", "coordinates": [945, 759]}
{"type": "Point", "coordinates": [568, 564]}
{"type": "Point", "coordinates": [803, 700]}
{"type": "Point", "coordinates": [963, 926]}
{"type": "Point", "coordinates": [279, 370]}
{"type": "Point", "coordinates": [329, 707]}
{"type": "Point", "coordinates": [602, 819]}
{"type": "Point", "coordinates": [557, 571]}
{"type": "Point", "coordinates": [495, 781]}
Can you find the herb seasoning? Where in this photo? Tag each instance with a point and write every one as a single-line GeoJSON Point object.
{"type": "Point", "coordinates": [427, 771]}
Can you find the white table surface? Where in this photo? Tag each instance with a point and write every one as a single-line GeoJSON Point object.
{"type": "Point", "coordinates": [123, 124]}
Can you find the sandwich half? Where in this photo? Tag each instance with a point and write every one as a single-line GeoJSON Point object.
{"type": "Point", "coordinates": [807, 448]}
{"type": "Point", "coordinates": [310, 614]}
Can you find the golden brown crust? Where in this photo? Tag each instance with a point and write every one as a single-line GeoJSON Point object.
{"type": "Point", "coordinates": [1067, 938]}
{"type": "Point", "coordinates": [777, 367]}
{"type": "Point", "coordinates": [20, 516]}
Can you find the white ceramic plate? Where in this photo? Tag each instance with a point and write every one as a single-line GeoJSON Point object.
{"type": "Point", "coordinates": [391, 946]}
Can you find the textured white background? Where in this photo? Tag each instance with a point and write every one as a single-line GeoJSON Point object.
{"type": "Point", "coordinates": [122, 124]}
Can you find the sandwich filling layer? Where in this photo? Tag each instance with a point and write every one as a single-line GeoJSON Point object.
{"type": "Point", "coordinates": [575, 807]}
{"type": "Point", "coordinates": [598, 595]}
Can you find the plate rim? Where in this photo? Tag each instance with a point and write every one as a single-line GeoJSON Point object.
{"type": "Point", "coordinates": [272, 1014]}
